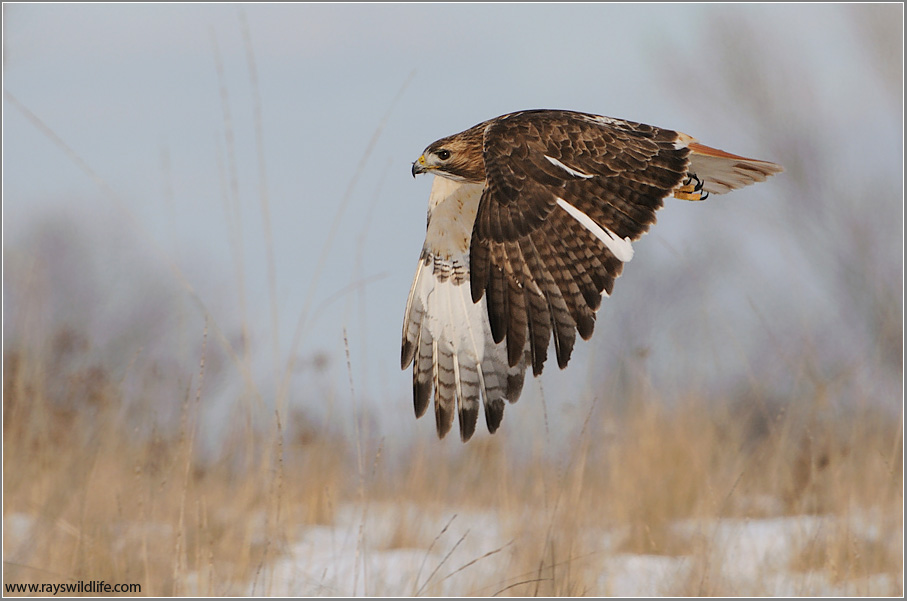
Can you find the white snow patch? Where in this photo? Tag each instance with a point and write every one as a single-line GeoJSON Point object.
{"type": "Point", "coordinates": [641, 575]}
{"type": "Point", "coordinates": [390, 550]}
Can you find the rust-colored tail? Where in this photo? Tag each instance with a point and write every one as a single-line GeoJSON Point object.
{"type": "Point", "coordinates": [721, 171]}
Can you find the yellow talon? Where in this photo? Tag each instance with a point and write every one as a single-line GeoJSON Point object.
{"type": "Point", "coordinates": [683, 194]}
{"type": "Point", "coordinates": [691, 189]}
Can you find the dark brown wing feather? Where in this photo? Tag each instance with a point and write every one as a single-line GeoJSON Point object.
{"type": "Point", "coordinates": [543, 271]}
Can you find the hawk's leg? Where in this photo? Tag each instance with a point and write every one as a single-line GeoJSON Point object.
{"type": "Point", "coordinates": [690, 190]}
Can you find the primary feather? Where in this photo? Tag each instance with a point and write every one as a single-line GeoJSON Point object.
{"type": "Point", "coordinates": [447, 336]}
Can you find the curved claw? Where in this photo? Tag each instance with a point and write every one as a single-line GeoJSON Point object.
{"type": "Point", "coordinates": [691, 190]}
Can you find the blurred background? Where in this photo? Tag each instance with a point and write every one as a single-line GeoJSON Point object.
{"type": "Point", "coordinates": [210, 226]}
{"type": "Point", "coordinates": [251, 164]}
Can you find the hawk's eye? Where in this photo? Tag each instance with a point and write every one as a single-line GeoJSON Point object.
{"type": "Point", "coordinates": [443, 154]}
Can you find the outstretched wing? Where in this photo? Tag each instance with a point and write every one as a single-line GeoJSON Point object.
{"type": "Point", "coordinates": [565, 194]}
{"type": "Point", "coordinates": [446, 335]}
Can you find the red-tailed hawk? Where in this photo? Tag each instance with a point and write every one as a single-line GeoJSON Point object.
{"type": "Point", "coordinates": [530, 220]}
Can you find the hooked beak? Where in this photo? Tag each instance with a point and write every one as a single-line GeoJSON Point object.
{"type": "Point", "coordinates": [419, 166]}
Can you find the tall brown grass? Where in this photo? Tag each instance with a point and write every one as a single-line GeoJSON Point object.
{"type": "Point", "coordinates": [90, 495]}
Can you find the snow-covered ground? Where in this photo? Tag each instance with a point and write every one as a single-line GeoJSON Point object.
{"type": "Point", "coordinates": [399, 550]}
{"type": "Point", "coordinates": [396, 550]}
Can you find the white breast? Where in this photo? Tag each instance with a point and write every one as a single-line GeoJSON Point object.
{"type": "Point", "coordinates": [452, 210]}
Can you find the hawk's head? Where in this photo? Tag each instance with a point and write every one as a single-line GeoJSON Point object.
{"type": "Point", "coordinates": [457, 157]}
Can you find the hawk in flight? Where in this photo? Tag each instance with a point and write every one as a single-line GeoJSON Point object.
{"type": "Point", "coordinates": [531, 218]}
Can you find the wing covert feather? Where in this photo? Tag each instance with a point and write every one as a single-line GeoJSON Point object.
{"type": "Point", "coordinates": [612, 172]}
